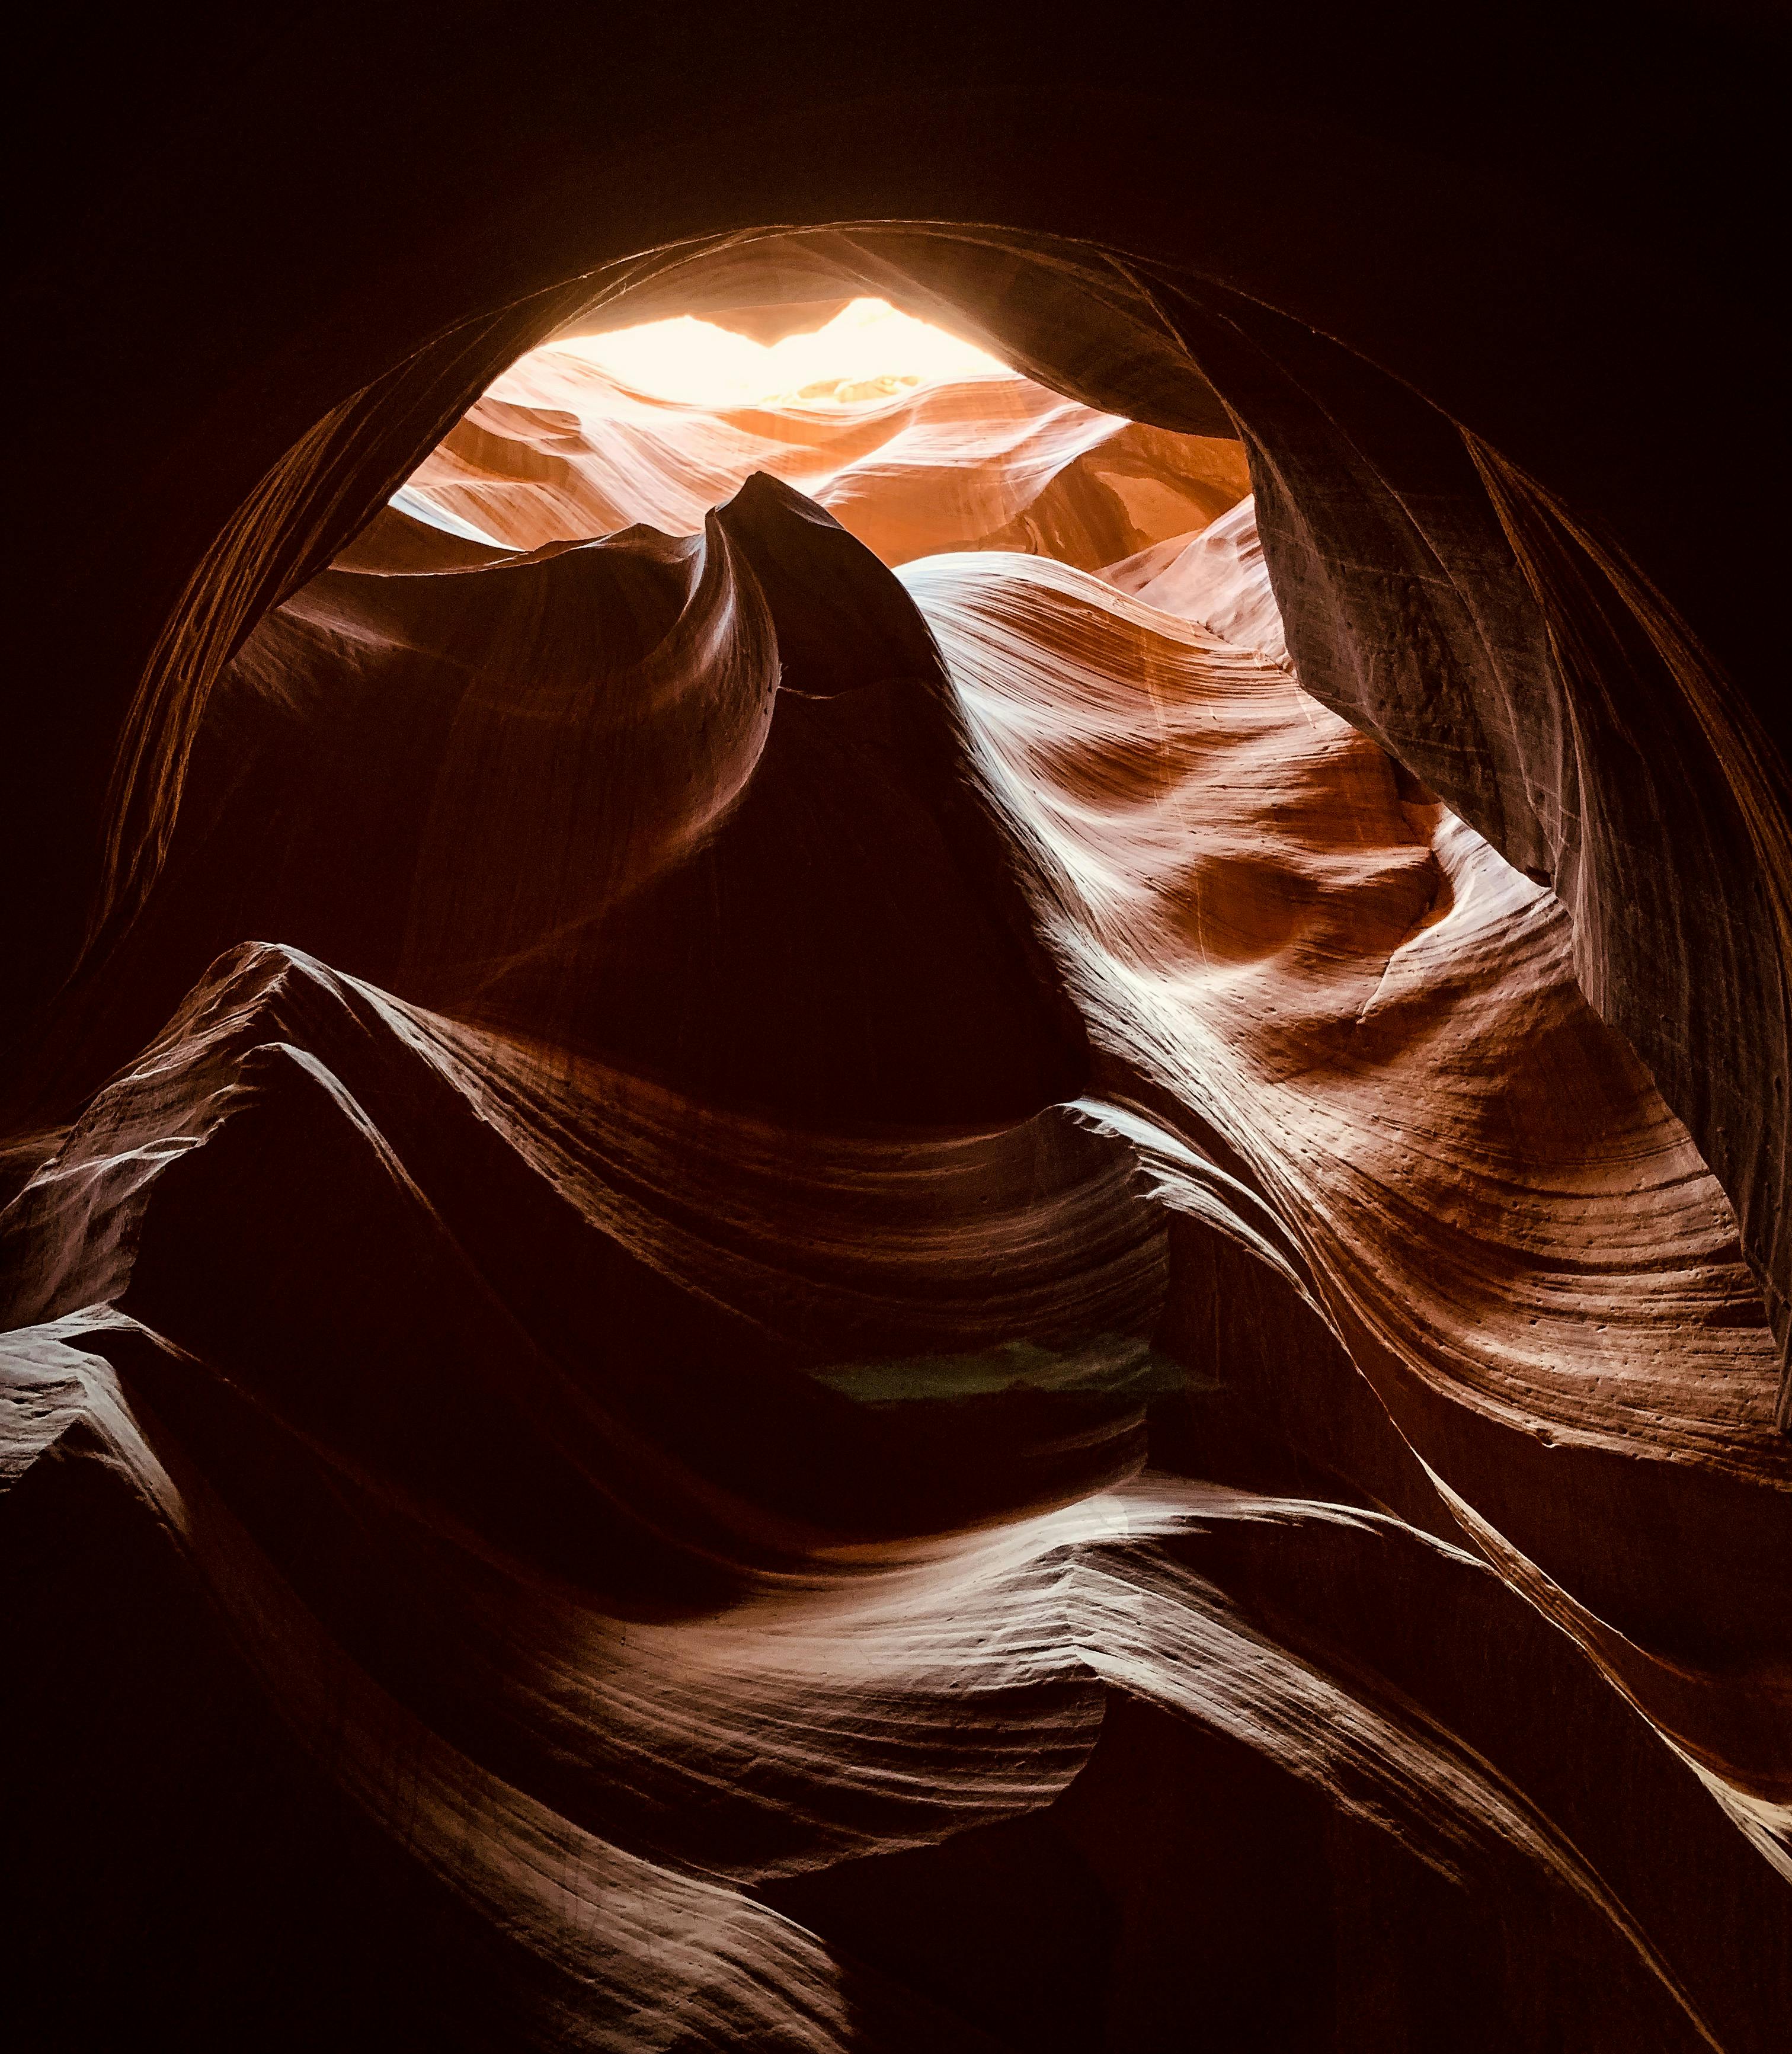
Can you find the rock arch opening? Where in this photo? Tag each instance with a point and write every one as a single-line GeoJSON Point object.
{"type": "Point", "coordinates": [860, 1151]}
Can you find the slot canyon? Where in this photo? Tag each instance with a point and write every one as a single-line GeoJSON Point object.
{"type": "Point", "coordinates": [899, 990]}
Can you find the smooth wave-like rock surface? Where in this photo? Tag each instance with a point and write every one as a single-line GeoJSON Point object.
{"type": "Point", "coordinates": [1028, 1305]}
{"type": "Point", "coordinates": [1499, 595]}
{"type": "Point", "coordinates": [1484, 1197]}
{"type": "Point", "coordinates": [561, 449]}
{"type": "Point", "coordinates": [813, 1310]}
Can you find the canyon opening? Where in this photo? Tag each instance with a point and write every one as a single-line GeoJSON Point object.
{"type": "Point", "coordinates": [896, 1135]}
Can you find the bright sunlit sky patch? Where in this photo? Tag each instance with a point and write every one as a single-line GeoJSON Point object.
{"type": "Point", "coordinates": [867, 351]}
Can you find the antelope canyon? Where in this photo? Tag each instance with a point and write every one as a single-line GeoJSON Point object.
{"type": "Point", "coordinates": [896, 1144]}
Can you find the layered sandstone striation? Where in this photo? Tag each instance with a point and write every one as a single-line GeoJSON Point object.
{"type": "Point", "coordinates": [561, 448]}
{"type": "Point", "coordinates": [797, 1304]}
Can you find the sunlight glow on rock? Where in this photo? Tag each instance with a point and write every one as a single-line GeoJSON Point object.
{"type": "Point", "coordinates": [868, 351]}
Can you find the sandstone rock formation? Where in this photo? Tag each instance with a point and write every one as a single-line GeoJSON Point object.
{"type": "Point", "coordinates": [946, 1213]}
{"type": "Point", "coordinates": [560, 449]}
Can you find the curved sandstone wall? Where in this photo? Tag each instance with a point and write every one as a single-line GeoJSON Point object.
{"type": "Point", "coordinates": [947, 1216]}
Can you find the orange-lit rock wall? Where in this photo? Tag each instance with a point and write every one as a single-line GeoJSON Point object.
{"type": "Point", "coordinates": [947, 1211]}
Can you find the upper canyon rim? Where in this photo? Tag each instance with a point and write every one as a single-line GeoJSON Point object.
{"type": "Point", "coordinates": [952, 1220]}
